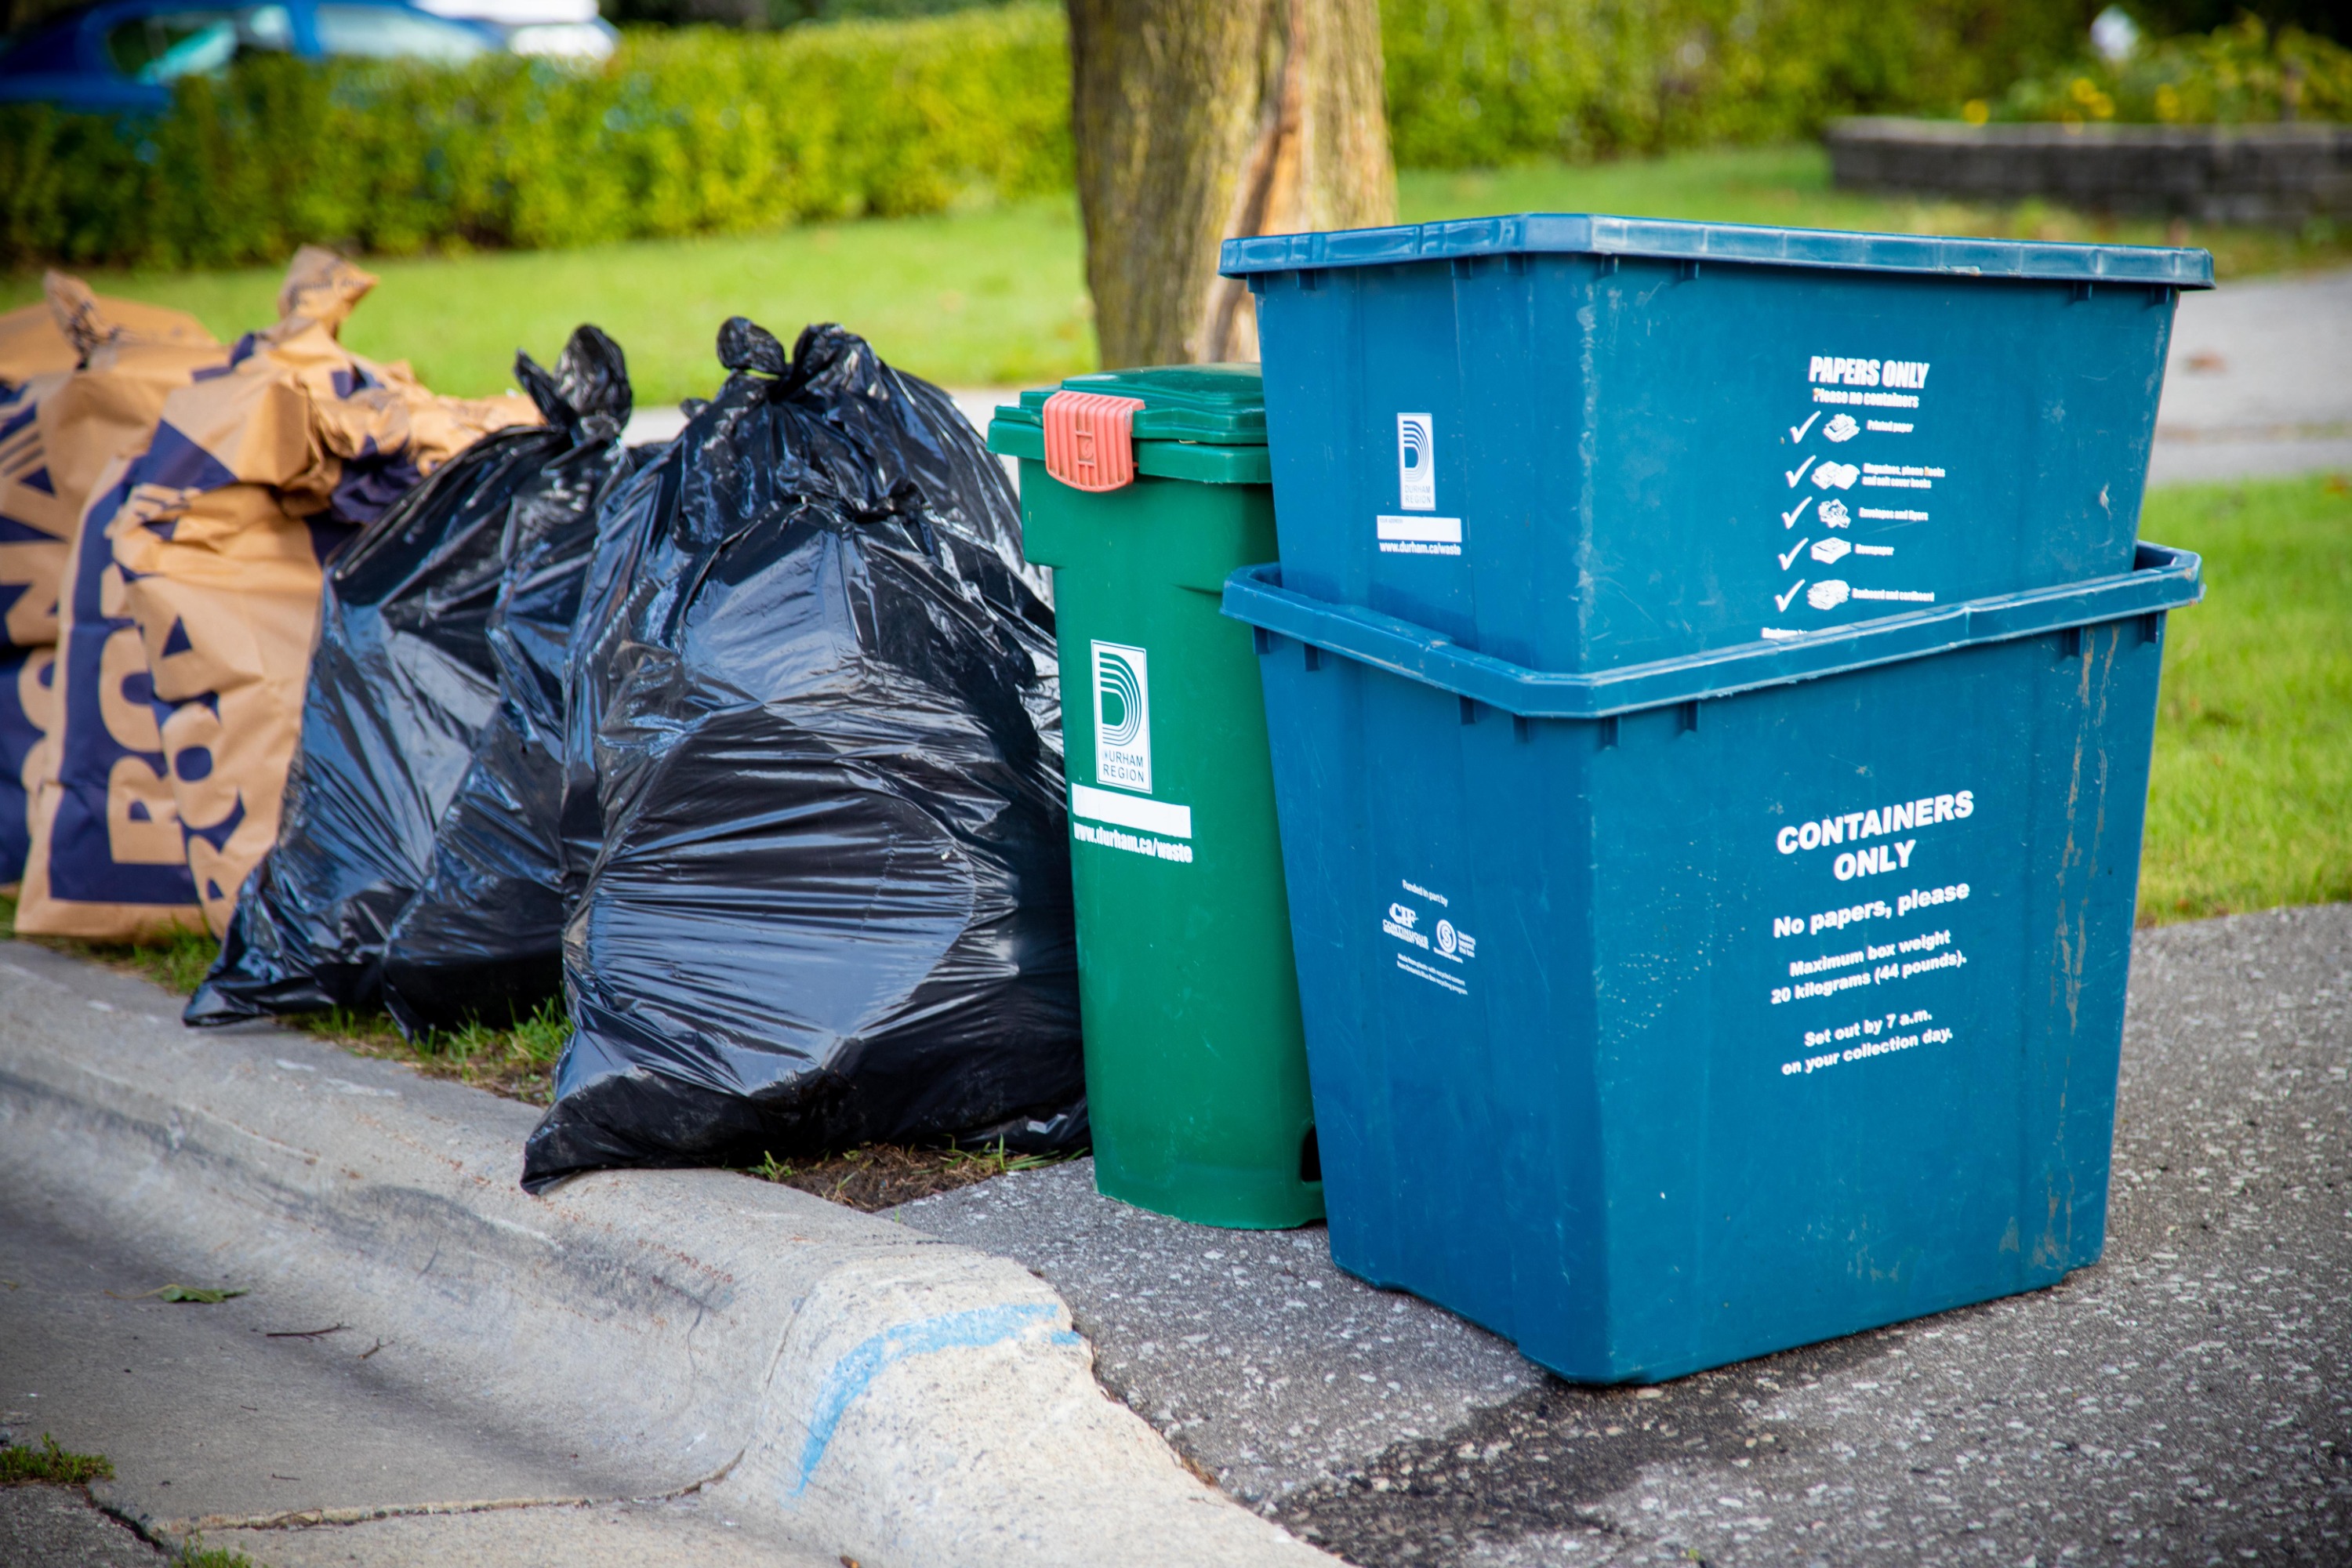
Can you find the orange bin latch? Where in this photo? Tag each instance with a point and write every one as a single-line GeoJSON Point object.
{"type": "Point", "coordinates": [1088, 440]}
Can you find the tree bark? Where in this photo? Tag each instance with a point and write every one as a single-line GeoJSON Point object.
{"type": "Point", "coordinates": [1200, 119]}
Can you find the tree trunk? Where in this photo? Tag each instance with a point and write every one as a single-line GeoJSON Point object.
{"type": "Point", "coordinates": [1199, 119]}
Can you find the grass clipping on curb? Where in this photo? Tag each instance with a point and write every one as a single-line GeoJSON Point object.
{"type": "Point", "coordinates": [517, 1061]}
{"type": "Point", "coordinates": [883, 1176]}
{"type": "Point", "coordinates": [22, 1463]}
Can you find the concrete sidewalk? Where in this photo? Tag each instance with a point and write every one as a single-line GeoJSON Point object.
{"type": "Point", "coordinates": [2189, 1400]}
{"type": "Point", "coordinates": [217, 1414]}
{"type": "Point", "coordinates": [2259, 382]}
{"type": "Point", "coordinates": [428, 1364]}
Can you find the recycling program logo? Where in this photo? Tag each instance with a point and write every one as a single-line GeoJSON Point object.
{"type": "Point", "coordinates": [1122, 717]}
{"type": "Point", "coordinates": [1416, 463]}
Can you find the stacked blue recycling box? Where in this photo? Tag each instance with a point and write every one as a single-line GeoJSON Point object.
{"type": "Point", "coordinates": [1712, 673]}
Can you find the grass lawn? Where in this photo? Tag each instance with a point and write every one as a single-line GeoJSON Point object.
{"type": "Point", "coordinates": [997, 297]}
{"type": "Point", "coordinates": [2250, 802]}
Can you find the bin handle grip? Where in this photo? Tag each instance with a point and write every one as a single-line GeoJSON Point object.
{"type": "Point", "coordinates": [1089, 440]}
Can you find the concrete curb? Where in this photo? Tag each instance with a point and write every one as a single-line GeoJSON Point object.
{"type": "Point", "coordinates": [853, 1383]}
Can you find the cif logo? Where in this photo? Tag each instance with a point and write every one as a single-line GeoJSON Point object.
{"type": "Point", "coordinates": [1403, 916]}
{"type": "Point", "coordinates": [1122, 717]}
{"type": "Point", "coordinates": [1416, 463]}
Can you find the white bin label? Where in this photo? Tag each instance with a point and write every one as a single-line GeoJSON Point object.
{"type": "Point", "coordinates": [1416, 463]}
{"type": "Point", "coordinates": [1883, 571]}
{"type": "Point", "coordinates": [1431, 947]}
{"type": "Point", "coordinates": [1418, 535]}
{"type": "Point", "coordinates": [1122, 716]}
{"type": "Point", "coordinates": [1908, 928]}
{"type": "Point", "coordinates": [1160, 827]}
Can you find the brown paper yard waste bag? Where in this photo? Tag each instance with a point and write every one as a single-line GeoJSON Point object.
{"type": "Point", "coordinates": [31, 344]}
{"type": "Point", "coordinates": [44, 477]}
{"type": "Point", "coordinates": [27, 713]}
{"type": "Point", "coordinates": [35, 359]}
{"type": "Point", "coordinates": [254, 478]}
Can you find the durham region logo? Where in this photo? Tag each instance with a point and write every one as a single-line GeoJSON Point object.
{"type": "Point", "coordinates": [1416, 464]}
{"type": "Point", "coordinates": [1122, 717]}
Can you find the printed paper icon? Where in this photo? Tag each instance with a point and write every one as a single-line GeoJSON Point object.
{"type": "Point", "coordinates": [1829, 550]}
{"type": "Point", "coordinates": [1827, 595]}
{"type": "Point", "coordinates": [1836, 475]}
{"type": "Point", "coordinates": [1834, 515]}
{"type": "Point", "coordinates": [1842, 428]}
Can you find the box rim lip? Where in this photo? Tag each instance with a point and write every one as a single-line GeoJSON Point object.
{"type": "Point", "coordinates": [2161, 579]}
{"type": "Point", "coordinates": [1603, 235]}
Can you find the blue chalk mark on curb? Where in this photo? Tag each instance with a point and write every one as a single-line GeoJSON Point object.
{"type": "Point", "coordinates": [852, 1374]}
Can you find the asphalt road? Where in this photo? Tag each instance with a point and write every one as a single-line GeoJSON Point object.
{"type": "Point", "coordinates": [2189, 1400]}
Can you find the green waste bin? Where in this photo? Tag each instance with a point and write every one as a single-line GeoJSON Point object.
{"type": "Point", "coordinates": [1196, 1065]}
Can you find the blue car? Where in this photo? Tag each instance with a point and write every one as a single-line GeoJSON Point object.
{"type": "Point", "coordinates": [124, 55]}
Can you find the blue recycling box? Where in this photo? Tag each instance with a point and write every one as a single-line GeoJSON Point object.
{"type": "Point", "coordinates": [1581, 442]}
{"type": "Point", "coordinates": [1671, 1013]}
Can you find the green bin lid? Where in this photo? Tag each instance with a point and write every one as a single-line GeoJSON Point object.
{"type": "Point", "coordinates": [1216, 405]}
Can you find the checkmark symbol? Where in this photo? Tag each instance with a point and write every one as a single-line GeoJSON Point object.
{"type": "Point", "coordinates": [1789, 519]}
{"type": "Point", "coordinates": [1792, 552]}
{"type": "Point", "coordinates": [1799, 473]}
{"type": "Point", "coordinates": [1780, 601]}
{"type": "Point", "coordinates": [1797, 432]}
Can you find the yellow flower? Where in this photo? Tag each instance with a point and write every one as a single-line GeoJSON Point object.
{"type": "Point", "coordinates": [1976, 111]}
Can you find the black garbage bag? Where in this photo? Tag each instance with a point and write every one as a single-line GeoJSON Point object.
{"type": "Point", "coordinates": [829, 901]}
{"type": "Point", "coordinates": [401, 683]}
{"type": "Point", "coordinates": [483, 938]}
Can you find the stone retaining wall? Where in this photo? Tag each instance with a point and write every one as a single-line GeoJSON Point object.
{"type": "Point", "coordinates": [2241, 174]}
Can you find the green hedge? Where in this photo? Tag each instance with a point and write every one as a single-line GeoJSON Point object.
{"type": "Point", "coordinates": [704, 130]}
{"type": "Point", "coordinates": [695, 132]}
{"type": "Point", "coordinates": [2235, 75]}
{"type": "Point", "coordinates": [1474, 83]}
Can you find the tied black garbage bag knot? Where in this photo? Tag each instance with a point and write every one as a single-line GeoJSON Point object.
{"type": "Point", "coordinates": [813, 790]}
{"type": "Point", "coordinates": [744, 344]}
{"type": "Point", "coordinates": [401, 684]}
